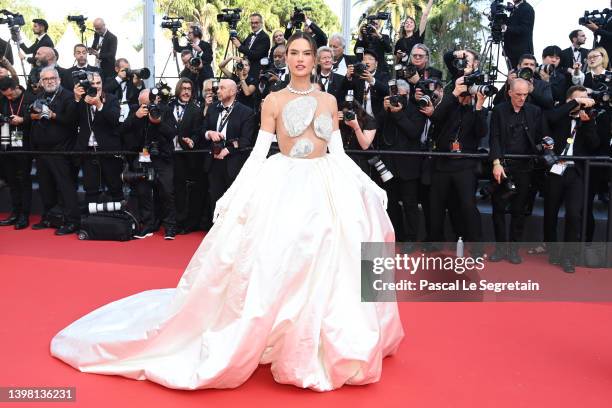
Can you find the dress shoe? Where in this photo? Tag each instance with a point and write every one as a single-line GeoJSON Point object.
{"type": "Point", "coordinates": [568, 266]}
{"type": "Point", "coordinates": [170, 233]}
{"type": "Point", "coordinates": [42, 225]}
{"type": "Point", "coordinates": [498, 255]}
{"type": "Point", "coordinates": [144, 233]}
{"type": "Point", "coordinates": [67, 229]}
{"type": "Point", "coordinates": [514, 257]}
{"type": "Point", "coordinates": [22, 222]}
{"type": "Point", "coordinates": [12, 219]}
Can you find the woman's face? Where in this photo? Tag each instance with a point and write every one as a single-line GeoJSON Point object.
{"type": "Point", "coordinates": [278, 37]}
{"type": "Point", "coordinates": [409, 25]}
{"type": "Point", "coordinates": [247, 66]}
{"type": "Point", "coordinates": [300, 58]}
{"type": "Point", "coordinates": [594, 59]}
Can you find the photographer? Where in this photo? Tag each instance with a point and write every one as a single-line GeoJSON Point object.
{"type": "Point", "coordinates": [518, 32]}
{"type": "Point", "coordinates": [460, 123]}
{"type": "Point", "coordinates": [400, 126]}
{"type": "Point", "coordinates": [602, 33]}
{"type": "Point", "coordinates": [145, 132]}
{"type": "Point", "coordinates": [564, 180]}
{"type": "Point", "coordinates": [98, 114]}
{"type": "Point", "coordinates": [540, 92]}
{"type": "Point", "coordinates": [341, 61]}
{"type": "Point", "coordinates": [369, 84]}
{"type": "Point", "coordinates": [257, 44]}
{"type": "Point", "coordinates": [7, 70]}
{"type": "Point", "coordinates": [244, 79]}
{"type": "Point", "coordinates": [358, 130]}
{"type": "Point", "coordinates": [461, 62]}
{"type": "Point", "coordinates": [194, 73]}
{"type": "Point", "coordinates": [47, 57]}
{"type": "Point", "coordinates": [516, 127]}
{"type": "Point", "coordinates": [371, 38]}
{"type": "Point", "coordinates": [40, 28]}
{"type": "Point", "coordinates": [328, 80]}
{"type": "Point", "coordinates": [299, 16]}
{"type": "Point", "coordinates": [273, 78]}
{"type": "Point", "coordinates": [17, 168]}
{"type": "Point", "coordinates": [53, 117]}
{"type": "Point", "coordinates": [200, 50]}
{"type": "Point", "coordinates": [409, 36]}
{"type": "Point", "coordinates": [6, 51]}
{"type": "Point", "coordinates": [125, 88]}
{"type": "Point", "coordinates": [550, 71]}
{"type": "Point", "coordinates": [184, 116]}
{"type": "Point", "coordinates": [419, 58]}
{"type": "Point", "coordinates": [597, 82]}
{"type": "Point", "coordinates": [80, 56]}
{"type": "Point", "coordinates": [226, 130]}
{"type": "Point", "coordinates": [575, 57]}
{"type": "Point", "coordinates": [104, 48]}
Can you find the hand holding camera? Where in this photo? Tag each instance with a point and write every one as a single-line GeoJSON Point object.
{"type": "Point", "coordinates": [215, 136]}
{"type": "Point", "coordinates": [16, 120]}
{"type": "Point", "coordinates": [93, 101]}
{"type": "Point", "coordinates": [142, 111]}
{"type": "Point", "coordinates": [389, 107]}
{"type": "Point", "coordinates": [460, 87]}
{"type": "Point", "coordinates": [78, 91]}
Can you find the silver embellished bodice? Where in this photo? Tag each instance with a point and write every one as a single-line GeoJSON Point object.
{"type": "Point", "coordinates": [297, 116]}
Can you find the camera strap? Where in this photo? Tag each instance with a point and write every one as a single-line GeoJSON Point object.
{"type": "Point", "coordinates": [570, 140]}
{"type": "Point", "coordinates": [20, 104]}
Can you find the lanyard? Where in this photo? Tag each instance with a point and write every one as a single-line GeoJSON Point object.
{"type": "Point", "coordinates": [19, 108]}
{"type": "Point", "coordinates": [570, 141]}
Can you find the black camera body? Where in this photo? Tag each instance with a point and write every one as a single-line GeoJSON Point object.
{"type": "Point", "coordinates": [195, 62]}
{"type": "Point", "coordinates": [218, 146]}
{"type": "Point", "coordinates": [525, 73]}
{"type": "Point", "coordinates": [298, 17]}
{"type": "Point", "coordinates": [142, 73]}
{"type": "Point", "coordinates": [597, 17]}
{"type": "Point", "coordinates": [80, 21]}
{"type": "Point", "coordinates": [427, 87]}
{"type": "Point", "coordinates": [359, 68]}
{"type": "Point", "coordinates": [602, 91]}
{"type": "Point", "coordinates": [40, 106]}
{"type": "Point", "coordinates": [13, 20]}
{"type": "Point", "coordinates": [231, 16]}
{"type": "Point", "coordinates": [548, 155]}
{"type": "Point", "coordinates": [81, 78]}
{"type": "Point", "coordinates": [498, 17]}
{"type": "Point", "coordinates": [239, 66]}
{"type": "Point", "coordinates": [140, 173]}
{"type": "Point", "coordinates": [172, 23]}
{"type": "Point", "coordinates": [405, 71]}
{"type": "Point", "coordinates": [507, 188]}
{"type": "Point", "coordinates": [477, 82]}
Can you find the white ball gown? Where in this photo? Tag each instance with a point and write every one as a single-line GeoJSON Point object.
{"type": "Point", "coordinates": [275, 281]}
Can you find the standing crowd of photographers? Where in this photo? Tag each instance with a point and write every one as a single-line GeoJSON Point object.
{"type": "Point", "coordinates": [390, 98]}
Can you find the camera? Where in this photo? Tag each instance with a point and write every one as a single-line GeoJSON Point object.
{"type": "Point", "coordinates": [239, 66]}
{"type": "Point", "coordinates": [359, 68]}
{"type": "Point", "coordinates": [525, 73]}
{"type": "Point", "coordinates": [460, 63]}
{"type": "Point", "coordinates": [154, 109]}
{"type": "Point", "coordinates": [383, 171]}
{"type": "Point", "coordinates": [507, 187]}
{"type": "Point", "coordinates": [13, 20]}
{"type": "Point", "coordinates": [162, 90]}
{"type": "Point", "coordinates": [214, 90]}
{"type": "Point", "coordinates": [218, 146]}
{"type": "Point", "coordinates": [498, 17]}
{"type": "Point", "coordinates": [349, 100]}
{"type": "Point", "coordinates": [172, 23]}
{"type": "Point", "coordinates": [142, 73]}
{"type": "Point", "coordinates": [140, 173]}
{"type": "Point", "coordinates": [81, 78]}
{"type": "Point", "coordinates": [40, 106]}
{"type": "Point", "coordinates": [80, 21]}
{"type": "Point", "coordinates": [110, 206]}
{"type": "Point", "coordinates": [597, 17]}
{"type": "Point", "coordinates": [548, 155]}
{"type": "Point", "coordinates": [298, 16]}
{"type": "Point", "coordinates": [394, 96]}
{"type": "Point", "coordinates": [427, 87]}
{"type": "Point", "coordinates": [547, 68]}
{"type": "Point", "coordinates": [406, 71]}
{"type": "Point", "coordinates": [195, 62]}
{"type": "Point", "coordinates": [230, 16]}
{"type": "Point", "coordinates": [477, 82]}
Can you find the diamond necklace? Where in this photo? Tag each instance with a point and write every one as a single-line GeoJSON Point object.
{"type": "Point", "coordinates": [295, 91]}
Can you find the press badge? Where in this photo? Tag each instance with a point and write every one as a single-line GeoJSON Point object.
{"type": "Point", "coordinates": [558, 168]}
{"type": "Point", "coordinates": [17, 138]}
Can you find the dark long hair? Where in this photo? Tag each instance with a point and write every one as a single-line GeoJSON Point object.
{"type": "Point", "coordinates": [302, 35]}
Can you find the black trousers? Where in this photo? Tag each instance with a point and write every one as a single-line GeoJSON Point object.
{"type": "Point", "coordinates": [164, 188]}
{"type": "Point", "coordinates": [100, 172]}
{"type": "Point", "coordinates": [567, 189]}
{"type": "Point", "coordinates": [460, 185]}
{"type": "Point", "coordinates": [407, 192]}
{"type": "Point", "coordinates": [17, 169]}
{"type": "Point", "coordinates": [522, 179]}
{"type": "Point", "coordinates": [190, 189]}
{"type": "Point", "coordinates": [219, 180]}
{"type": "Point", "coordinates": [55, 176]}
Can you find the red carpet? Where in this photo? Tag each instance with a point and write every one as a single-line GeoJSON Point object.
{"type": "Point", "coordinates": [454, 354]}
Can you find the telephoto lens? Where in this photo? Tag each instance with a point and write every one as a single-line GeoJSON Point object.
{"type": "Point", "coordinates": [380, 167]}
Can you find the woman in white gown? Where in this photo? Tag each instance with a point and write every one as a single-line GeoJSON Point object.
{"type": "Point", "coordinates": [275, 281]}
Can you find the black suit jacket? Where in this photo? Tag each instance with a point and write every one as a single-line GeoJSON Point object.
{"type": "Point", "coordinates": [188, 127]}
{"type": "Point", "coordinates": [206, 55]}
{"type": "Point", "coordinates": [500, 130]}
{"type": "Point", "coordinates": [240, 127]}
{"type": "Point", "coordinates": [107, 53]}
{"type": "Point", "coordinates": [45, 41]}
{"type": "Point", "coordinates": [103, 125]}
{"type": "Point", "coordinates": [334, 86]}
{"type": "Point", "coordinates": [56, 134]}
{"type": "Point", "coordinates": [348, 60]}
{"type": "Point", "coordinates": [111, 86]}
{"type": "Point", "coordinates": [518, 39]}
{"type": "Point", "coordinates": [559, 122]}
{"type": "Point", "coordinates": [259, 50]}
{"type": "Point", "coordinates": [567, 58]}
{"type": "Point", "coordinates": [401, 131]}
{"type": "Point", "coordinates": [377, 92]}
{"type": "Point", "coordinates": [6, 51]}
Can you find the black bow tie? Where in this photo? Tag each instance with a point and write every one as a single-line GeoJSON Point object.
{"type": "Point", "coordinates": [325, 76]}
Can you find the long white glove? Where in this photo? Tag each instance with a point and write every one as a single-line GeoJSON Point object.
{"type": "Point", "coordinates": [248, 173]}
{"type": "Point", "coordinates": [335, 147]}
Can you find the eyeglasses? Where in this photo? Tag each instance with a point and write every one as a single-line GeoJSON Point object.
{"type": "Point", "coordinates": [595, 56]}
{"type": "Point", "coordinates": [419, 55]}
{"type": "Point", "coordinates": [52, 79]}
